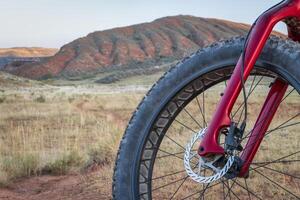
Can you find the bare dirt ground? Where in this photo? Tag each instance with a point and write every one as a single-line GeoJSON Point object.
{"type": "Point", "coordinates": [91, 185]}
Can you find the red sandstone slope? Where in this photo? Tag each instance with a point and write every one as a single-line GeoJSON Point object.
{"type": "Point", "coordinates": [166, 38]}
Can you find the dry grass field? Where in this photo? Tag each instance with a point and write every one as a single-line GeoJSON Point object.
{"type": "Point", "coordinates": [53, 132]}
{"type": "Point", "coordinates": [56, 143]}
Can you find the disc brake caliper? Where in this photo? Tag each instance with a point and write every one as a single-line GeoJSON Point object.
{"type": "Point", "coordinates": [234, 138]}
{"type": "Point", "coordinates": [233, 144]}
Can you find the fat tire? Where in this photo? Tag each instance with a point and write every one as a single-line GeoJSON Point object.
{"type": "Point", "coordinates": [279, 55]}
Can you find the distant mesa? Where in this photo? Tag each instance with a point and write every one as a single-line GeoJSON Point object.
{"type": "Point", "coordinates": [26, 52]}
{"type": "Point", "coordinates": [163, 40]}
{"type": "Point", "coordinates": [18, 56]}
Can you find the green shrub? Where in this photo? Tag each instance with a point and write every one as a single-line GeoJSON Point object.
{"type": "Point", "coordinates": [101, 155]}
{"type": "Point", "coordinates": [16, 166]}
{"type": "Point", "coordinates": [64, 164]}
{"type": "Point", "coordinates": [2, 99]}
{"type": "Point", "coordinates": [40, 99]}
{"type": "Point", "coordinates": [71, 99]}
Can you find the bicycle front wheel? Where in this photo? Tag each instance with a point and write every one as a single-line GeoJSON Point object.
{"type": "Point", "coordinates": [162, 136]}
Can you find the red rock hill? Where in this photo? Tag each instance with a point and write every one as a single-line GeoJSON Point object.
{"type": "Point", "coordinates": [164, 39]}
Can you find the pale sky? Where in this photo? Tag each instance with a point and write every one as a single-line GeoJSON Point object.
{"type": "Point", "coordinates": [52, 23]}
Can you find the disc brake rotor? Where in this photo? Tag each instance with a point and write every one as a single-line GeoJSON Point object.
{"type": "Point", "coordinates": [216, 171]}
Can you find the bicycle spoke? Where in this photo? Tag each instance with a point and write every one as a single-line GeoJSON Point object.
{"type": "Point", "coordinates": [173, 182]}
{"type": "Point", "coordinates": [172, 155]}
{"type": "Point", "coordinates": [203, 187]}
{"type": "Point", "coordinates": [287, 95]}
{"type": "Point", "coordinates": [164, 176]}
{"type": "Point", "coordinates": [203, 192]}
{"type": "Point", "coordinates": [199, 191]}
{"type": "Point", "coordinates": [175, 142]}
{"type": "Point", "coordinates": [231, 191]}
{"type": "Point", "coordinates": [201, 112]}
{"type": "Point", "coordinates": [250, 92]}
{"type": "Point", "coordinates": [277, 160]}
{"type": "Point", "coordinates": [164, 156]}
{"type": "Point", "coordinates": [185, 110]}
{"type": "Point", "coordinates": [247, 188]}
{"type": "Point", "coordinates": [271, 162]}
{"type": "Point", "coordinates": [223, 190]}
{"type": "Point", "coordinates": [270, 131]}
{"type": "Point", "coordinates": [298, 197]}
{"type": "Point", "coordinates": [179, 187]}
{"type": "Point", "coordinates": [278, 128]}
{"type": "Point", "coordinates": [298, 114]}
{"type": "Point", "coordinates": [203, 102]}
{"type": "Point", "coordinates": [185, 126]}
{"type": "Point", "coordinates": [280, 172]}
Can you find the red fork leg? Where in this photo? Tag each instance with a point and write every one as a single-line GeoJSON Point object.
{"type": "Point", "coordinates": [263, 121]}
{"type": "Point", "coordinates": [257, 39]}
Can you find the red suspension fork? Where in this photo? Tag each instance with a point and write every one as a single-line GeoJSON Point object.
{"type": "Point", "coordinates": [263, 121]}
{"type": "Point", "coordinates": [256, 41]}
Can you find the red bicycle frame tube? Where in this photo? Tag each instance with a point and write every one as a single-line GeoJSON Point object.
{"type": "Point", "coordinates": [261, 30]}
